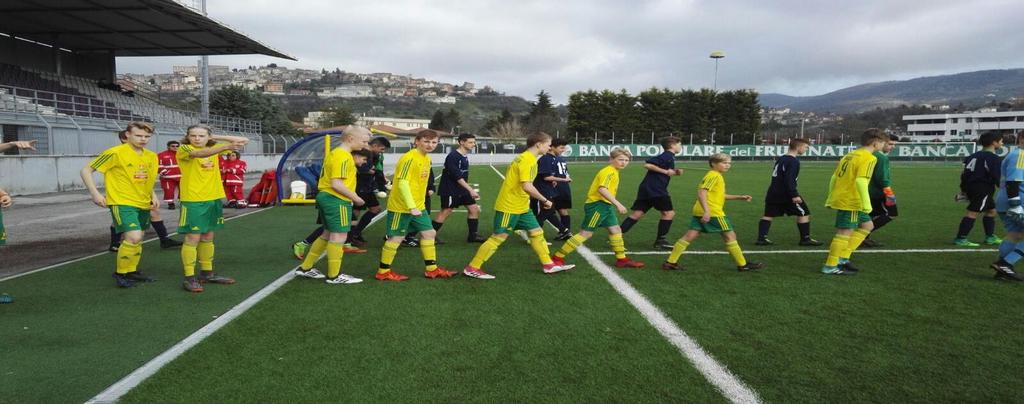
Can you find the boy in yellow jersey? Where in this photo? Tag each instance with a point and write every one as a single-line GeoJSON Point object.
{"type": "Point", "coordinates": [512, 210]}
{"type": "Point", "coordinates": [599, 211]}
{"type": "Point", "coordinates": [848, 195]}
{"type": "Point", "coordinates": [406, 211]}
{"type": "Point", "coordinates": [201, 210]}
{"type": "Point", "coordinates": [709, 216]}
{"type": "Point", "coordinates": [129, 172]}
{"type": "Point", "coordinates": [334, 202]}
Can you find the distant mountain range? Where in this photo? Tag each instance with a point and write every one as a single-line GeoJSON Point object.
{"type": "Point", "coordinates": [969, 88]}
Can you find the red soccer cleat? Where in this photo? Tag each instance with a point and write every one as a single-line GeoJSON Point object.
{"type": "Point", "coordinates": [353, 250]}
{"type": "Point", "coordinates": [558, 260]}
{"type": "Point", "coordinates": [439, 273]}
{"type": "Point", "coordinates": [390, 276]}
{"type": "Point", "coordinates": [628, 263]}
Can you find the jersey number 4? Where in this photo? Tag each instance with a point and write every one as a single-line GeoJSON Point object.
{"type": "Point", "coordinates": [970, 165]}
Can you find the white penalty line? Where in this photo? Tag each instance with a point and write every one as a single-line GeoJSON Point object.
{"type": "Point", "coordinates": [716, 373]}
{"type": "Point", "coordinates": [730, 386]}
{"type": "Point", "coordinates": [108, 252]}
{"type": "Point", "coordinates": [749, 252]}
{"type": "Point", "coordinates": [123, 386]}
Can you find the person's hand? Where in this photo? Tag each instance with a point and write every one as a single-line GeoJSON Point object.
{"type": "Point", "coordinates": [99, 200]}
{"type": "Point", "coordinates": [357, 201]}
{"type": "Point", "coordinates": [890, 200]}
{"type": "Point", "coordinates": [475, 195]}
{"type": "Point", "coordinates": [430, 193]}
{"type": "Point", "coordinates": [21, 144]}
{"type": "Point", "coordinates": [621, 209]}
{"type": "Point", "coordinates": [5, 201]}
{"type": "Point", "coordinates": [706, 218]}
{"type": "Point", "coordinates": [747, 198]}
{"type": "Point", "coordinates": [414, 212]}
{"type": "Point", "coordinates": [154, 204]}
{"type": "Point", "coordinates": [798, 200]}
{"type": "Point", "coordinates": [372, 172]}
{"type": "Point", "coordinates": [679, 171]}
{"type": "Point", "coordinates": [548, 204]}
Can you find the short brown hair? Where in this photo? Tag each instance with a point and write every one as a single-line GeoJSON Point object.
{"type": "Point", "coordinates": [146, 126]}
{"type": "Point", "coordinates": [537, 138]}
{"type": "Point", "coordinates": [209, 131]}
{"type": "Point", "coordinates": [797, 142]}
{"type": "Point", "coordinates": [668, 141]}
{"type": "Point", "coordinates": [718, 158]}
{"type": "Point", "coordinates": [426, 134]}
{"type": "Point", "coordinates": [618, 151]}
{"type": "Point", "coordinates": [873, 135]}
{"type": "Point", "coordinates": [123, 135]}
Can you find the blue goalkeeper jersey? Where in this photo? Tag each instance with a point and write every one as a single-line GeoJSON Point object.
{"type": "Point", "coordinates": [1012, 170]}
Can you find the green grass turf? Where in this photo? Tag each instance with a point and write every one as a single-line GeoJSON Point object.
{"type": "Point", "coordinates": [911, 327]}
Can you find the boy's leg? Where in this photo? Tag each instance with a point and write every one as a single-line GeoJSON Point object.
{"type": "Point", "coordinates": [335, 253]}
{"type": "Point", "coordinates": [964, 230]}
{"type": "Point", "coordinates": [571, 245]}
{"type": "Point", "coordinates": [846, 222]}
{"type": "Point", "coordinates": [503, 225]}
{"type": "Point", "coordinates": [473, 224]}
{"type": "Point", "coordinates": [398, 226]}
{"type": "Point", "coordinates": [634, 216]}
{"type": "Point", "coordinates": [566, 219]}
{"type": "Point", "coordinates": [664, 225]}
{"type": "Point", "coordinates": [763, 227]}
{"type": "Point", "coordinates": [680, 247]}
{"type": "Point", "coordinates": [856, 238]}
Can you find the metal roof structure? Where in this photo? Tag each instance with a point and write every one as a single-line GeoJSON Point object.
{"type": "Point", "coordinates": [126, 28]}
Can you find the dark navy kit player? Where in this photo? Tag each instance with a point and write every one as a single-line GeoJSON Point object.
{"type": "Point", "coordinates": [783, 198]}
{"type": "Point", "coordinates": [455, 190]}
{"type": "Point", "coordinates": [653, 191]}
{"type": "Point", "coordinates": [553, 182]}
{"type": "Point", "coordinates": [978, 182]}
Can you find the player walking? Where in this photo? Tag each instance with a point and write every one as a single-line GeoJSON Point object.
{"type": "Point", "coordinates": [783, 199]}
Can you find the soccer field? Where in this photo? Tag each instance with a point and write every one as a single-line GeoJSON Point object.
{"type": "Point", "coordinates": [923, 321]}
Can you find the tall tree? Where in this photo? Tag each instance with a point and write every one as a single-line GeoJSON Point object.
{"type": "Point", "coordinates": [338, 115]}
{"type": "Point", "coordinates": [239, 102]}
{"type": "Point", "coordinates": [542, 117]}
{"type": "Point", "coordinates": [437, 121]}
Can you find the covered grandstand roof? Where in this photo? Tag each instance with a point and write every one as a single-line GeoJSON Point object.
{"type": "Point", "coordinates": [126, 27]}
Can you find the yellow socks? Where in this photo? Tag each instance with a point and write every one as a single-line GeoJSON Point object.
{"type": "Point", "coordinates": [571, 245]}
{"type": "Point", "coordinates": [205, 255]}
{"type": "Point", "coordinates": [485, 251]}
{"type": "Point", "coordinates": [335, 252]}
{"type": "Point", "coordinates": [736, 252]}
{"type": "Point", "coordinates": [618, 246]}
{"type": "Point", "coordinates": [188, 259]}
{"type": "Point", "coordinates": [387, 256]}
{"type": "Point", "coordinates": [540, 247]}
{"type": "Point", "coordinates": [429, 254]}
{"type": "Point", "coordinates": [837, 248]}
{"type": "Point", "coordinates": [315, 251]}
{"type": "Point", "coordinates": [128, 256]}
{"type": "Point", "coordinates": [856, 238]}
{"type": "Point", "coordinates": [677, 251]}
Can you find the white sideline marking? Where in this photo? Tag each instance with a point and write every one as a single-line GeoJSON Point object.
{"type": "Point", "coordinates": [716, 373]}
{"type": "Point", "coordinates": [730, 386]}
{"type": "Point", "coordinates": [61, 217]}
{"type": "Point", "coordinates": [123, 386]}
{"type": "Point", "coordinates": [746, 252]}
{"type": "Point", "coordinates": [108, 252]}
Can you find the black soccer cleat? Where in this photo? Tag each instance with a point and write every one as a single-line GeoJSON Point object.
{"type": "Point", "coordinates": [810, 242]}
{"type": "Point", "coordinates": [475, 238]}
{"type": "Point", "coordinates": [138, 276]}
{"type": "Point", "coordinates": [869, 243]}
{"type": "Point", "coordinates": [763, 241]}
{"type": "Point", "coordinates": [356, 241]}
{"type": "Point", "coordinates": [1004, 271]}
{"type": "Point", "coordinates": [123, 281]}
{"type": "Point", "coordinates": [848, 267]}
{"type": "Point", "coordinates": [169, 243]}
{"type": "Point", "coordinates": [170, 206]}
{"type": "Point", "coordinates": [751, 266]}
{"type": "Point", "coordinates": [668, 266]}
{"type": "Point", "coordinates": [438, 241]}
{"type": "Point", "coordinates": [662, 244]}
{"type": "Point", "coordinates": [410, 242]}
{"type": "Point", "coordinates": [564, 235]}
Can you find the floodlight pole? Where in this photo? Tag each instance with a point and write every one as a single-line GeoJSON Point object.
{"type": "Point", "coordinates": [716, 55]}
{"type": "Point", "coordinates": [204, 71]}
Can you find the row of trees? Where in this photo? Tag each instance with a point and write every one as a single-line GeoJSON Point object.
{"type": "Point", "coordinates": [664, 111]}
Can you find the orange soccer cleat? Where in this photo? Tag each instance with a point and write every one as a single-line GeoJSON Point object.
{"type": "Point", "coordinates": [390, 276]}
{"type": "Point", "coordinates": [439, 273]}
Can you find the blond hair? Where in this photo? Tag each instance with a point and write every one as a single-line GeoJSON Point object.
{"type": "Point", "coordinates": [618, 151]}
{"type": "Point", "coordinates": [718, 158]}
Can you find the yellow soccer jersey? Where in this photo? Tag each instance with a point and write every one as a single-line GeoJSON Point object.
{"type": "Point", "coordinates": [608, 177]}
{"type": "Point", "coordinates": [128, 175]}
{"type": "Point", "coordinates": [414, 167]}
{"type": "Point", "coordinates": [511, 197]}
{"type": "Point", "coordinates": [339, 164]}
{"type": "Point", "coordinates": [200, 176]}
{"type": "Point", "coordinates": [859, 163]}
{"type": "Point", "coordinates": [714, 182]}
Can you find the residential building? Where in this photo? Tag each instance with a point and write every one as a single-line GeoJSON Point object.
{"type": "Point", "coordinates": [401, 123]}
{"type": "Point", "coordinates": [962, 127]}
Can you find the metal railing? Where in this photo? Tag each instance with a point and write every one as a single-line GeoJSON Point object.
{"type": "Point", "coordinates": [47, 103]}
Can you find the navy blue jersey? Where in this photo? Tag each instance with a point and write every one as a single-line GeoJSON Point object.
{"type": "Point", "coordinates": [550, 165]}
{"type": "Point", "coordinates": [365, 180]}
{"type": "Point", "coordinates": [654, 184]}
{"type": "Point", "coordinates": [456, 167]}
{"type": "Point", "coordinates": [980, 168]}
{"type": "Point", "coordinates": [784, 176]}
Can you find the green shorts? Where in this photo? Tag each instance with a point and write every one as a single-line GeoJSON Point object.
{"type": "Point", "coordinates": [335, 213]}
{"type": "Point", "coordinates": [3, 233]}
{"type": "Point", "coordinates": [201, 217]}
{"type": "Point", "coordinates": [129, 218]}
{"type": "Point", "coordinates": [851, 219]}
{"type": "Point", "coordinates": [599, 214]}
{"type": "Point", "coordinates": [507, 222]}
{"type": "Point", "coordinates": [400, 224]}
{"type": "Point", "coordinates": [717, 224]}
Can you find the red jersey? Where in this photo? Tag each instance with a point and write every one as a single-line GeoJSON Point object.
{"type": "Point", "coordinates": [233, 172]}
{"type": "Point", "coordinates": [168, 165]}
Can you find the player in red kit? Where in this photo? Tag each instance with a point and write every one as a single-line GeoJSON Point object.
{"type": "Point", "coordinates": [170, 174]}
{"type": "Point", "coordinates": [232, 171]}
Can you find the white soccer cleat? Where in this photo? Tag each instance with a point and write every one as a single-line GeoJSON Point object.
{"type": "Point", "coordinates": [523, 235]}
{"type": "Point", "coordinates": [476, 273]}
{"type": "Point", "coordinates": [312, 273]}
{"type": "Point", "coordinates": [343, 279]}
{"type": "Point", "coordinates": [553, 268]}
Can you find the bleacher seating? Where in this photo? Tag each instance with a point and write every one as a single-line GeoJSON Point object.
{"type": "Point", "coordinates": [28, 87]}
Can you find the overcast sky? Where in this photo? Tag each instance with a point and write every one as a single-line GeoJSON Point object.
{"type": "Point", "coordinates": [520, 47]}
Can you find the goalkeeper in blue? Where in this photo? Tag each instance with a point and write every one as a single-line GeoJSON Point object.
{"type": "Point", "coordinates": [1012, 214]}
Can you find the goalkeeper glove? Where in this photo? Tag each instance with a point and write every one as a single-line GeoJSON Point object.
{"type": "Point", "coordinates": [890, 197]}
{"type": "Point", "coordinates": [1016, 212]}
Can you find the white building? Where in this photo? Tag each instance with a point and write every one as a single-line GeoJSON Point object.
{"type": "Point", "coordinates": [961, 127]}
{"type": "Point", "coordinates": [401, 123]}
{"type": "Point", "coordinates": [448, 99]}
{"type": "Point", "coordinates": [348, 91]}
{"type": "Point", "coordinates": [313, 118]}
